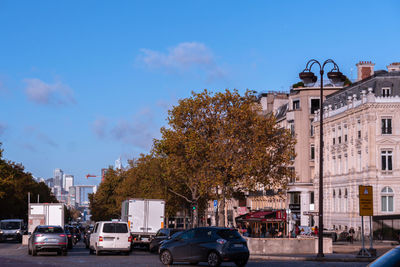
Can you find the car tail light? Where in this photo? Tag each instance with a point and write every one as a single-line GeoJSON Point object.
{"type": "Point", "coordinates": [39, 243]}
{"type": "Point", "coordinates": [62, 235]}
{"type": "Point", "coordinates": [129, 239]}
{"type": "Point", "coordinates": [62, 243]}
{"type": "Point", "coordinates": [100, 238]}
{"type": "Point", "coordinates": [38, 235]}
{"type": "Point", "coordinates": [221, 241]}
{"type": "Point", "coordinates": [69, 235]}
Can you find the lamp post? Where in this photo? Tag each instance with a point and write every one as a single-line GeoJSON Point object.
{"type": "Point", "coordinates": [308, 78]}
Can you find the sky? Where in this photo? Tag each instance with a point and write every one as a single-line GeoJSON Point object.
{"type": "Point", "coordinates": [83, 83]}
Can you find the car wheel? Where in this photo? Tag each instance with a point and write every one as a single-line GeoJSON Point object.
{"type": "Point", "coordinates": [241, 263]}
{"type": "Point", "coordinates": [166, 257]}
{"type": "Point", "coordinates": [213, 259]}
{"type": "Point", "coordinates": [34, 252]}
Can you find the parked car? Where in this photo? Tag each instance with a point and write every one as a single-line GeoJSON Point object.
{"type": "Point", "coordinates": [48, 238]}
{"type": "Point", "coordinates": [389, 259]}
{"type": "Point", "coordinates": [162, 234]}
{"type": "Point", "coordinates": [205, 244]}
{"type": "Point", "coordinates": [86, 235]}
{"type": "Point", "coordinates": [12, 229]}
{"type": "Point", "coordinates": [110, 236]}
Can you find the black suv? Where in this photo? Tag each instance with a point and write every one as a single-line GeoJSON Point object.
{"type": "Point", "coordinates": [205, 244]}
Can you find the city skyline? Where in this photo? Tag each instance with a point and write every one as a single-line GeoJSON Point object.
{"type": "Point", "coordinates": [82, 84]}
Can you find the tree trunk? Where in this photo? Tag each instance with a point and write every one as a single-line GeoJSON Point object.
{"type": "Point", "coordinates": [223, 204]}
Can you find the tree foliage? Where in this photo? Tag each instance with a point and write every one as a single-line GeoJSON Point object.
{"type": "Point", "coordinates": [15, 184]}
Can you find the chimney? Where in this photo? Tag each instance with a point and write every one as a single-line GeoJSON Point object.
{"type": "Point", "coordinates": [365, 69]}
{"type": "Point", "coordinates": [395, 66]}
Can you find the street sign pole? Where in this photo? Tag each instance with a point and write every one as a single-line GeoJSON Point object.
{"type": "Point", "coordinates": [366, 209]}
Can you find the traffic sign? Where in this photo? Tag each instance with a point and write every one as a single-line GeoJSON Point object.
{"type": "Point", "coordinates": [366, 200]}
{"type": "Point", "coordinates": [215, 205]}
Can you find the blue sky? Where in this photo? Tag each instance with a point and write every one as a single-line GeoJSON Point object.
{"type": "Point", "coordinates": [85, 82]}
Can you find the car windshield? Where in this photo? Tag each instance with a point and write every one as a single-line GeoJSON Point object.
{"type": "Point", "coordinates": [229, 234]}
{"type": "Point", "coordinates": [118, 228]}
{"type": "Point", "coordinates": [10, 225]}
{"type": "Point", "coordinates": [389, 259]}
{"type": "Point", "coordinates": [50, 230]}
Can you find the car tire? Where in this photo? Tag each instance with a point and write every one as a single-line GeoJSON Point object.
{"type": "Point", "coordinates": [34, 252]}
{"type": "Point", "coordinates": [166, 257]}
{"type": "Point", "coordinates": [241, 263]}
{"type": "Point", "coordinates": [213, 259]}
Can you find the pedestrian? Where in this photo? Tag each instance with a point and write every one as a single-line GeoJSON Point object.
{"type": "Point", "coordinates": [316, 230]}
{"type": "Point", "coordinates": [296, 230]}
{"type": "Point", "coordinates": [351, 235]}
{"type": "Point", "coordinates": [263, 230]}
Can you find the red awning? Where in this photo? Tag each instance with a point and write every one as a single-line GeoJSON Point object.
{"type": "Point", "coordinates": [258, 214]}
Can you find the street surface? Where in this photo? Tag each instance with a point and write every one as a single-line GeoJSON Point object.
{"type": "Point", "coordinates": [14, 254]}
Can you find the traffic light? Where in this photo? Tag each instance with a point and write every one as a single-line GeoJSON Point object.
{"type": "Point", "coordinates": [194, 207]}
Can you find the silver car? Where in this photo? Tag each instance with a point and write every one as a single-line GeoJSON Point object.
{"type": "Point", "coordinates": [48, 238]}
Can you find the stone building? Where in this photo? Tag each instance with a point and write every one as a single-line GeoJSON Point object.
{"type": "Point", "coordinates": [362, 147]}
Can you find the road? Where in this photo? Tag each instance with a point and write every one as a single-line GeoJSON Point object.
{"type": "Point", "coordinates": [14, 254]}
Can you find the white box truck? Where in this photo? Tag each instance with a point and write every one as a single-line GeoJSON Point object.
{"type": "Point", "coordinates": [45, 214]}
{"type": "Point", "coordinates": [144, 217]}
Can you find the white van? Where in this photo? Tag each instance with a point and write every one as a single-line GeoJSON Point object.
{"type": "Point", "coordinates": [110, 236]}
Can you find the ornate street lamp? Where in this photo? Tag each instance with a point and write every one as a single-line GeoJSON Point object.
{"type": "Point", "coordinates": [309, 78]}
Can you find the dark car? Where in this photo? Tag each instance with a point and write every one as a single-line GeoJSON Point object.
{"type": "Point", "coordinates": [389, 259]}
{"type": "Point", "coordinates": [48, 238]}
{"type": "Point", "coordinates": [205, 244]}
{"type": "Point", "coordinates": [162, 234]}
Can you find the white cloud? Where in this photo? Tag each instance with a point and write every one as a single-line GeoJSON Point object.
{"type": "Point", "coordinates": [46, 93]}
{"type": "Point", "coordinates": [185, 57]}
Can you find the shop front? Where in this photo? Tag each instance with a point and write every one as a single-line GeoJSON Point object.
{"type": "Point", "coordinates": [264, 223]}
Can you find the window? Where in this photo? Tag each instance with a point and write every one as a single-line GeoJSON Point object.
{"type": "Point", "coordinates": [346, 164]}
{"type": "Point", "coordinates": [339, 139]}
{"type": "Point", "coordinates": [333, 140]}
{"type": "Point", "coordinates": [359, 129]}
{"type": "Point", "coordinates": [386, 156]}
{"type": "Point", "coordinates": [292, 132]}
{"type": "Point", "coordinates": [312, 152]}
{"type": "Point", "coordinates": [115, 228]}
{"type": "Point", "coordinates": [311, 197]}
{"type": "Point", "coordinates": [188, 235]}
{"type": "Point", "coordinates": [387, 199]}
{"type": "Point", "coordinates": [345, 133]}
{"type": "Point", "coordinates": [386, 126]}
{"type": "Point", "coordinates": [311, 128]}
{"type": "Point", "coordinates": [203, 233]}
{"type": "Point", "coordinates": [314, 105]}
{"type": "Point", "coordinates": [339, 165]}
{"type": "Point", "coordinates": [359, 160]}
{"type": "Point", "coordinates": [386, 92]}
{"type": "Point", "coordinates": [296, 104]}
{"type": "Point", "coordinates": [359, 134]}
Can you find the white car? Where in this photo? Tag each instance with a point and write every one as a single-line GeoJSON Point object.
{"type": "Point", "coordinates": [110, 236]}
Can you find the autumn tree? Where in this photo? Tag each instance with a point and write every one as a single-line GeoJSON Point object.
{"type": "Point", "coordinates": [222, 143]}
{"type": "Point", "coordinates": [15, 183]}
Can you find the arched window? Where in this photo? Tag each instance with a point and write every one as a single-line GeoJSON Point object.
{"type": "Point", "coordinates": [387, 199]}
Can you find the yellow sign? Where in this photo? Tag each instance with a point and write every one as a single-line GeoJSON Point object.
{"type": "Point", "coordinates": [366, 200]}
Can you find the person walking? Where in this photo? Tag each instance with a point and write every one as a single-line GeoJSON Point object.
{"type": "Point", "coordinates": [316, 230]}
{"type": "Point", "coordinates": [351, 235]}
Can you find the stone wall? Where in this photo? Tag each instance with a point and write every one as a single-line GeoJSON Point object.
{"type": "Point", "coordinates": [266, 246]}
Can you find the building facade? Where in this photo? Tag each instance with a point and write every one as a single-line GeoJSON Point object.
{"type": "Point", "coordinates": [361, 147]}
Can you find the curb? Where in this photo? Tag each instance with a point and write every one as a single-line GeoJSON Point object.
{"type": "Point", "coordinates": [309, 258]}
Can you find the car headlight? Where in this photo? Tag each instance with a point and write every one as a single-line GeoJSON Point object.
{"type": "Point", "coordinates": [1, 232]}
{"type": "Point", "coordinates": [18, 231]}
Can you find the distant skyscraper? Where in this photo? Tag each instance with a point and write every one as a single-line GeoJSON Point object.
{"type": "Point", "coordinates": [118, 164]}
{"type": "Point", "coordinates": [58, 177]}
{"type": "Point", "coordinates": [69, 181]}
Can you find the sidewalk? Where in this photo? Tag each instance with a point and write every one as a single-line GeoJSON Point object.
{"type": "Point", "coordinates": [342, 252]}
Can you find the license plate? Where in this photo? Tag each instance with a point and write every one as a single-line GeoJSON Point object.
{"type": "Point", "coordinates": [238, 245]}
{"type": "Point", "coordinates": [52, 240]}
{"type": "Point", "coordinates": [145, 239]}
